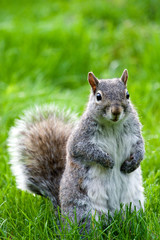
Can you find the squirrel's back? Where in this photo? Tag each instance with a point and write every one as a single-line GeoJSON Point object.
{"type": "Point", "coordinates": [37, 147]}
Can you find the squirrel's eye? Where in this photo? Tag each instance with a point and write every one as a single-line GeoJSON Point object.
{"type": "Point", "coordinates": [99, 97]}
{"type": "Point", "coordinates": [127, 95]}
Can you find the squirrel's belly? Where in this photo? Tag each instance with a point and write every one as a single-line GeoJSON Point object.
{"type": "Point", "coordinates": [107, 189]}
{"type": "Point", "coordinates": [103, 188]}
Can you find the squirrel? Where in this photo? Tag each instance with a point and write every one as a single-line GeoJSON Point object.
{"type": "Point", "coordinates": [91, 164]}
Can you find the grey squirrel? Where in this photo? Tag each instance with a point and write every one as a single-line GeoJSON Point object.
{"type": "Point", "coordinates": [91, 164]}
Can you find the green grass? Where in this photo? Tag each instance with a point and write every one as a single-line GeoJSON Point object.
{"type": "Point", "coordinates": [46, 50]}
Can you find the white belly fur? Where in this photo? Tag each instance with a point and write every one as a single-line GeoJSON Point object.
{"type": "Point", "coordinates": [108, 188]}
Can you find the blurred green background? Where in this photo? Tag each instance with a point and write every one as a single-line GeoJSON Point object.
{"type": "Point", "coordinates": [46, 50]}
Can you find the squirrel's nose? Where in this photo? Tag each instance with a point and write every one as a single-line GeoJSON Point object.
{"type": "Point", "coordinates": [116, 110]}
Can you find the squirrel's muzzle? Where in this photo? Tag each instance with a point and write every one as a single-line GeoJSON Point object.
{"type": "Point", "coordinates": [116, 110]}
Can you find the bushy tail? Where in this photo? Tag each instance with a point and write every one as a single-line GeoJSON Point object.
{"type": "Point", "coordinates": [37, 147]}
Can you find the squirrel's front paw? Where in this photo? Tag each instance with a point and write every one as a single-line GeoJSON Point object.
{"type": "Point", "coordinates": [130, 165]}
{"type": "Point", "coordinates": [108, 162]}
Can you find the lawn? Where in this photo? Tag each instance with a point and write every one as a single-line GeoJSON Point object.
{"type": "Point", "coordinates": [46, 50]}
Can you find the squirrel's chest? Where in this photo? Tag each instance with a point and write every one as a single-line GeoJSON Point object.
{"type": "Point", "coordinates": [115, 143]}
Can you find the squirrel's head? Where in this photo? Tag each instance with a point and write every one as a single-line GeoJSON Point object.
{"type": "Point", "coordinates": [109, 97]}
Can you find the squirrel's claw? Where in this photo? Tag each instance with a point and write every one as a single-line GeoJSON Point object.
{"type": "Point", "coordinates": [109, 163]}
{"type": "Point", "coordinates": [129, 166]}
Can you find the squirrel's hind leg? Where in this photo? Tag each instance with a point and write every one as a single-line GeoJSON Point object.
{"type": "Point", "coordinates": [75, 204]}
{"type": "Point", "coordinates": [79, 215]}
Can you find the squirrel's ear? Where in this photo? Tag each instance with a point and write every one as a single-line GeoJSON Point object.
{"type": "Point", "coordinates": [93, 81]}
{"type": "Point", "coordinates": [124, 76]}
